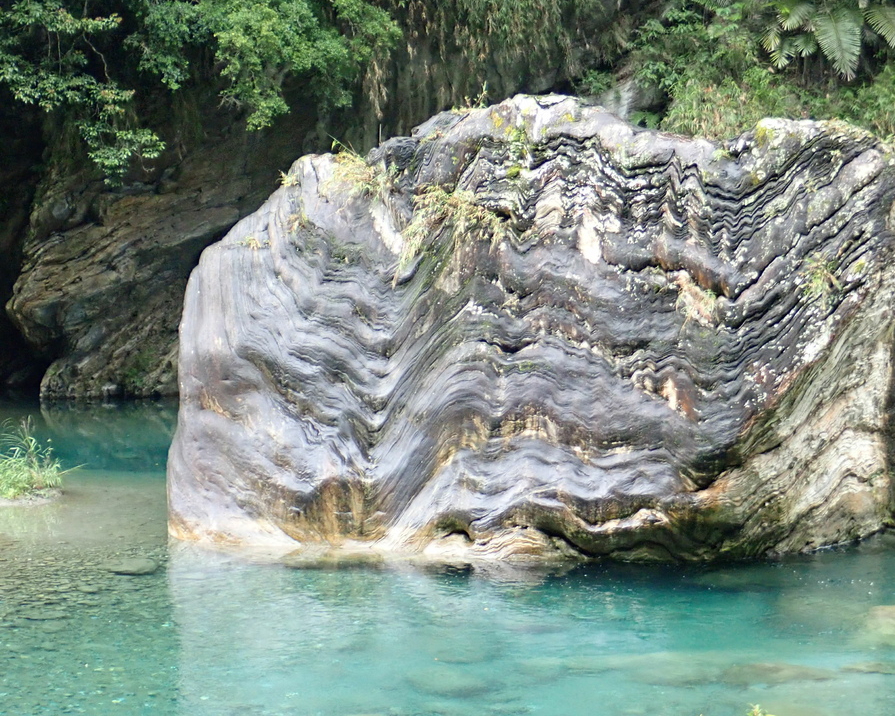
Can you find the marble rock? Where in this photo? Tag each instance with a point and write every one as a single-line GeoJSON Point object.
{"type": "Point", "coordinates": [533, 330]}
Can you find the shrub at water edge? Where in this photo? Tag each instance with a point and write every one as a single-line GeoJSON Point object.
{"type": "Point", "coordinates": [26, 467]}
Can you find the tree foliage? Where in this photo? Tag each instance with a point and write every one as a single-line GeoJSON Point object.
{"type": "Point", "coordinates": [720, 64]}
{"type": "Point", "coordinates": [841, 29]}
{"type": "Point", "coordinates": [78, 58]}
{"type": "Point", "coordinates": [258, 44]}
{"type": "Point", "coordinates": [724, 64]}
{"type": "Point", "coordinates": [50, 57]}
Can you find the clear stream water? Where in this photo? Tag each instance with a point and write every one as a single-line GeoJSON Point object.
{"type": "Point", "coordinates": [212, 633]}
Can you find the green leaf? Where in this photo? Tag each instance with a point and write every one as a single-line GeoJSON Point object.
{"type": "Point", "coordinates": [796, 15]}
{"type": "Point", "coordinates": [839, 35]}
{"type": "Point", "coordinates": [805, 44]}
{"type": "Point", "coordinates": [882, 19]}
{"type": "Point", "coordinates": [784, 53]}
{"type": "Point", "coordinates": [771, 38]}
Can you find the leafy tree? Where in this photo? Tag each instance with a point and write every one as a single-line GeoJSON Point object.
{"type": "Point", "coordinates": [66, 57]}
{"type": "Point", "coordinates": [695, 40]}
{"type": "Point", "coordinates": [49, 57]}
{"type": "Point", "coordinates": [724, 64]}
{"type": "Point", "coordinates": [705, 56]}
{"type": "Point", "coordinates": [258, 44]}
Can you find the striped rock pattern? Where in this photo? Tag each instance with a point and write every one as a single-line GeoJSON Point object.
{"type": "Point", "coordinates": [533, 330]}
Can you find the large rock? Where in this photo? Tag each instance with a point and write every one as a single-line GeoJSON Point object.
{"type": "Point", "coordinates": [106, 294]}
{"type": "Point", "coordinates": [533, 329]}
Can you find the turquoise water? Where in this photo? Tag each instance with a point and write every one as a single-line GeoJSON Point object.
{"type": "Point", "coordinates": [213, 633]}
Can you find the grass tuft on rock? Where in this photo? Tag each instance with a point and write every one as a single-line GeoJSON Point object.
{"type": "Point", "coordinates": [26, 466]}
{"type": "Point", "coordinates": [434, 206]}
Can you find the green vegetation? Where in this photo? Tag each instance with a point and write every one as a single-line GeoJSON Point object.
{"type": "Point", "coordinates": [595, 82]}
{"type": "Point", "coordinates": [723, 65]}
{"type": "Point", "coordinates": [257, 44]}
{"type": "Point", "coordinates": [716, 66]}
{"type": "Point", "coordinates": [138, 366]}
{"type": "Point", "coordinates": [470, 103]}
{"type": "Point", "coordinates": [288, 179]}
{"type": "Point", "coordinates": [26, 467]}
{"type": "Point", "coordinates": [82, 61]}
{"type": "Point", "coordinates": [837, 29]}
{"type": "Point", "coordinates": [539, 32]}
{"type": "Point", "coordinates": [757, 710]}
{"type": "Point", "coordinates": [820, 280]}
{"type": "Point", "coordinates": [434, 206]}
{"type": "Point", "coordinates": [253, 242]}
{"type": "Point", "coordinates": [696, 303]}
{"type": "Point", "coordinates": [364, 178]}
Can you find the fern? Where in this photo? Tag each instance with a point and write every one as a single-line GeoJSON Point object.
{"type": "Point", "coordinates": [784, 52]}
{"type": "Point", "coordinates": [839, 37]}
{"type": "Point", "coordinates": [771, 38]}
{"type": "Point", "coordinates": [837, 28]}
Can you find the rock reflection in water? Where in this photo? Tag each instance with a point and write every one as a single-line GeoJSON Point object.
{"type": "Point", "coordinates": [133, 436]}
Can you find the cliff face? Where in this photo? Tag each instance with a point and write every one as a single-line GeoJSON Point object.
{"type": "Point", "coordinates": [20, 153]}
{"type": "Point", "coordinates": [99, 294]}
{"type": "Point", "coordinates": [531, 330]}
{"type": "Point", "coordinates": [93, 290]}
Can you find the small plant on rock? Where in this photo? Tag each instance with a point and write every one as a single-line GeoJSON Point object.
{"type": "Point", "coordinates": [471, 103]}
{"type": "Point", "coordinates": [757, 710]}
{"type": "Point", "coordinates": [696, 303]}
{"type": "Point", "coordinates": [26, 467]}
{"type": "Point", "coordinates": [365, 179]}
{"type": "Point", "coordinates": [289, 179]}
{"type": "Point", "coordinates": [434, 206]}
{"type": "Point", "coordinates": [820, 279]}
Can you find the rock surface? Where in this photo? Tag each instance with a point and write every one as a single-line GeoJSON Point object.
{"type": "Point", "coordinates": [20, 151]}
{"type": "Point", "coordinates": [101, 286]}
{"type": "Point", "coordinates": [533, 330]}
{"type": "Point", "coordinates": [133, 566]}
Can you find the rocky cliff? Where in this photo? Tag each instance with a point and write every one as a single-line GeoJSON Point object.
{"type": "Point", "coordinates": [99, 293]}
{"type": "Point", "coordinates": [19, 154]}
{"type": "Point", "coordinates": [534, 330]}
{"type": "Point", "coordinates": [93, 276]}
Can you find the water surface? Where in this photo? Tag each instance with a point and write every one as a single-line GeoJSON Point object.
{"type": "Point", "coordinates": [215, 633]}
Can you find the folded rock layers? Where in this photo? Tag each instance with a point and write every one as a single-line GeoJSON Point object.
{"type": "Point", "coordinates": [533, 330]}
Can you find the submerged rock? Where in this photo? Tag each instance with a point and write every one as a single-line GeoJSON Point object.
{"type": "Point", "coordinates": [886, 668]}
{"type": "Point", "coordinates": [533, 329]}
{"type": "Point", "coordinates": [133, 566]}
{"type": "Point", "coordinates": [448, 681]}
{"type": "Point", "coordinates": [545, 668]}
{"type": "Point", "coordinates": [40, 614]}
{"type": "Point", "coordinates": [670, 668]}
{"type": "Point", "coordinates": [773, 673]}
{"type": "Point", "coordinates": [335, 560]}
{"type": "Point", "coordinates": [879, 627]}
